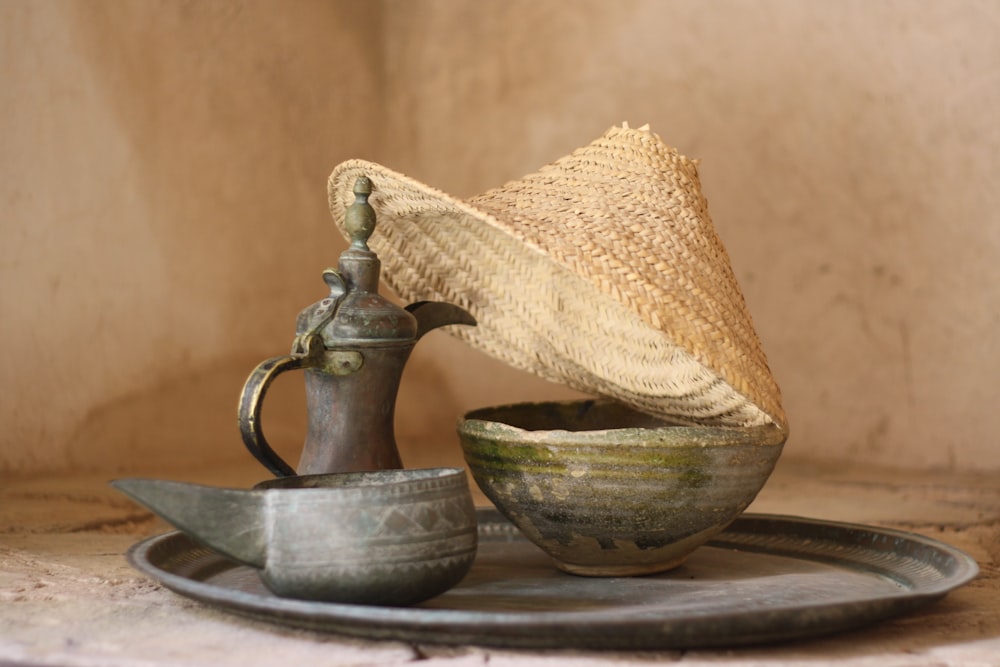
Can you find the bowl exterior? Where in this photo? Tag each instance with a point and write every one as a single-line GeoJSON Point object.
{"type": "Point", "coordinates": [375, 545]}
{"type": "Point", "coordinates": [607, 506]}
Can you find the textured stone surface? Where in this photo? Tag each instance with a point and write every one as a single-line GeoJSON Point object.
{"type": "Point", "coordinates": [67, 596]}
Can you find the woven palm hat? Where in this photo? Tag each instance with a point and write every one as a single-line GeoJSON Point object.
{"type": "Point", "coordinates": [601, 271]}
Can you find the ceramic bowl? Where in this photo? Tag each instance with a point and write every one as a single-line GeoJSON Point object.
{"type": "Point", "coordinates": [607, 491]}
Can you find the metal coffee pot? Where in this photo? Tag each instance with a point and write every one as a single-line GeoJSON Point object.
{"type": "Point", "coordinates": [352, 345]}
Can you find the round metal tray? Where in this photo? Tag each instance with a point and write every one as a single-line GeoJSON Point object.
{"type": "Point", "coordinates": [765, 578]}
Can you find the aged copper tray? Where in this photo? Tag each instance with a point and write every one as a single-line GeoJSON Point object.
{"type": "Point", "coordinates": [766, 578]}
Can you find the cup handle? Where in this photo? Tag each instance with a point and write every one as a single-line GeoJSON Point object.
{"type": "Point", "coordinates": [252, 400]}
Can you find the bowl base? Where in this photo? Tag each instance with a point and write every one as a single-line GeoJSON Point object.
{"type": "Point", "coordinates": [628, 570]}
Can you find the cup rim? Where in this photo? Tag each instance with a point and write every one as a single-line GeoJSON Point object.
{"type": "Point", "coordinates": [398, 480]}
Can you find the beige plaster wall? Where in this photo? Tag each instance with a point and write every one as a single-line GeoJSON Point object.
{"type": "Point", "coordinates": [163, 208]}
{"type": "Point", "coordinates": [162, 203]}
{"type": "Point", "coordinates": [850, 154]}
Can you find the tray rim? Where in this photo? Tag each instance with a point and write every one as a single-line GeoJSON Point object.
{"type": "Point", "coordinates": [584, 629]}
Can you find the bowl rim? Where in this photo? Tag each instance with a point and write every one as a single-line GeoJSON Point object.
{"type": "Point", "coordinates": [668, 435]}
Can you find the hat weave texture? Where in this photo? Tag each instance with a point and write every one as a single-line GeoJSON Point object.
{"type": "Point", "coordinates": [601, 271]}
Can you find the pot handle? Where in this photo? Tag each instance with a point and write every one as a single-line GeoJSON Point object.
{"type": "Point", "coordinates": [252, 400]}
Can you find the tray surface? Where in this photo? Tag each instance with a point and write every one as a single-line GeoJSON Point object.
{"type": "Point", "coordinates": [765, 578]}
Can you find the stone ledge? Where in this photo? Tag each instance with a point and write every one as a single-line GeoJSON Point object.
{"type": "Point", "coordinates": [67, 596]}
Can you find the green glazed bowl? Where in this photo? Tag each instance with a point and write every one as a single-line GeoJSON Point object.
{"type": "Point", "coordinates": [608, 491]}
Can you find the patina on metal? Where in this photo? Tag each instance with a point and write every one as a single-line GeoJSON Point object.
{"type": "Point", "coordinates": [353, 345]}
{"type": "Point", "coordinates": [385, 537]}
{"type": "Point", "coordinates": [763, 579]}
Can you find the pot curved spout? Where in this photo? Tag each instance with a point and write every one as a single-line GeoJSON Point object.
{"type": "Point", "coordinates": [231, 521]}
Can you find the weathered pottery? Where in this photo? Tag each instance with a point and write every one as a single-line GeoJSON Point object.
{"type": "Point", "coordinates": [353, 345]}
{"type": "Point", "coordinates": [391, 537]}
{"type": "Point", "coordinates": [607, 491]}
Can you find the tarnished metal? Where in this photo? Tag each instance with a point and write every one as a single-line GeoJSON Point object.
{"type": "Point", "coordinates": [387, 537]}
{"type": "Point", "coordinates": [353, 345]}
{"type": "Point", "coordinates": [763, 579]}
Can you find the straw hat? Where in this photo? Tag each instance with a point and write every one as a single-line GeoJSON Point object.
{"type": "Point", "coordinates": [601, 271]}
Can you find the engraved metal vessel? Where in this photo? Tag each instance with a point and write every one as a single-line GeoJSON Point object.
{"type": "Point", "coordinates": [389, 537]}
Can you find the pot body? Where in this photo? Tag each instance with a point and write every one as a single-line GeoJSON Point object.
{"type": "Point", "coordinates": [350, 427]}
{"type": "Point", "coordinates": [391, 537]}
